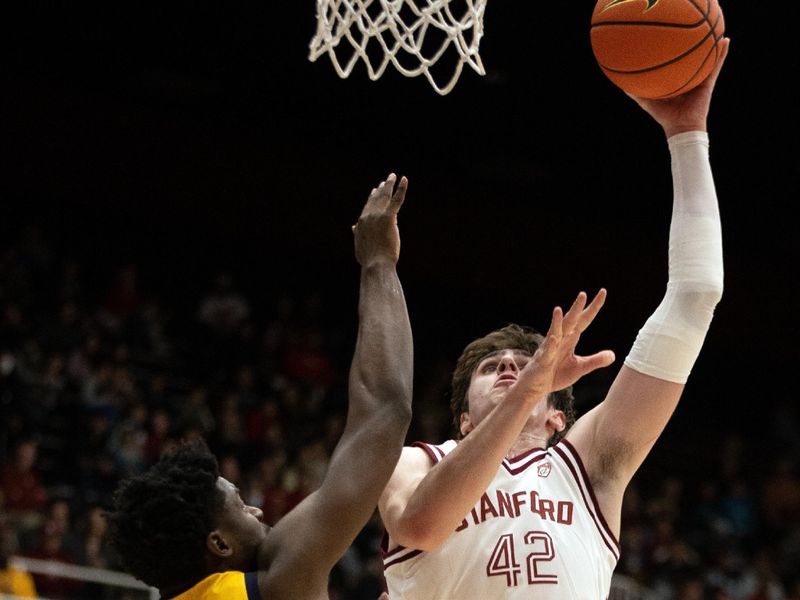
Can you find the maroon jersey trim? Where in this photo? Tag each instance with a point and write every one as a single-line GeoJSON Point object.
{"type": "Point", "coordinates": [400, 559]}
{"type": "Point", "coordinates": [592, 508]}
{"type": "Point", "coordinates": [435, 453]}
{"type": "Point", "coordinates": [517, 469]}
{"type": "Point", "coordinates": [589, 486]}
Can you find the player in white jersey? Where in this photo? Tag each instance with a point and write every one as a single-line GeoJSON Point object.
{"type": "Point", "coordinates": [509, 537]}
{"type": "Point", "coordinates": [526, 504]}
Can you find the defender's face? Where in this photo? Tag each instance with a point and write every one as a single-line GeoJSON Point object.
{"type": "Point", "coordinates": [241, 525]}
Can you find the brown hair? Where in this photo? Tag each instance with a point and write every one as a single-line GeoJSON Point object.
{"type": "Point", "coordinates": [510, 337]}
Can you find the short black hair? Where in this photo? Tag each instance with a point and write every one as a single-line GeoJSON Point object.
{"type": "Point", "coordinates": [160, 519]}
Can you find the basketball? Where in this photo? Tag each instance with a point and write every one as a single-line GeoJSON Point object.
{"type": "Point", "coordinates": [656, 48]}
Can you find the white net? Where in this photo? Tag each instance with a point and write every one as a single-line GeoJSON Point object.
{"type": "Point", "coordinates": [413, 35]}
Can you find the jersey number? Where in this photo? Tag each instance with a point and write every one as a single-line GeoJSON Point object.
{"type": "Point", "coordinates": [503, 561]}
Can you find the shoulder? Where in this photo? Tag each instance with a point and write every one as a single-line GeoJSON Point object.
{"type": "Point", "coordinates": [434, 453]}
{"type": "Point", "coordinates": [415, 462]}
{"type": "Point", "coordinates": [418, 457]}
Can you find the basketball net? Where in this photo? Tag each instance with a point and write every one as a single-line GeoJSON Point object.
{"type": "Point", "coordinates": [399, 28]}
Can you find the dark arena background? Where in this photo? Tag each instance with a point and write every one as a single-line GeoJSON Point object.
{"type": "Point", "coordinates": [160, 161]}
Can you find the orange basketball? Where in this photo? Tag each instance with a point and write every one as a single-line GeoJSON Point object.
{"type": "Point", "coordinates": [656, 48]}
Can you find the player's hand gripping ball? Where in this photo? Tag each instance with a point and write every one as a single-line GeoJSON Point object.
{"type": "Point", "coordinates": [656, 48]}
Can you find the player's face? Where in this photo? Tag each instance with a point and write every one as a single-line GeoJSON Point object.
{"type": "Point", "coordinates": [241, 525]}
{"type": "Point", "coordinates": [490, 383]}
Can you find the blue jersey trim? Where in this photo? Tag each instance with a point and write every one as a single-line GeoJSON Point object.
{"type": "Point", "coordinates": [251, 585]}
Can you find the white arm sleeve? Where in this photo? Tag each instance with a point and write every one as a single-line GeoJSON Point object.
{"type": "Point", "coordinates": [669, 343]}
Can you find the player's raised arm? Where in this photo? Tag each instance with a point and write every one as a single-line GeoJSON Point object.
{"type": "Point", "coordinates": [615, 437]}
{"type": "Point", "coordinates": [304, 546]}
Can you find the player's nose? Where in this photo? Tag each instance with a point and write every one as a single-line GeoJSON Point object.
{"type": "Point", "coordinates": [507, 363]}
{"type": "Point", "coordinates": [256, 512]}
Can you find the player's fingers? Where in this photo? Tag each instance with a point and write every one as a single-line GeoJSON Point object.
{"type": "Point", "coordinates": [596, 361]}
{"type": "Point", "coordinates": [555, 332]}
{"type": "Point", "coordinates": [547, 353]}
{"type": "Point", "coordinates": [590, 312]}
{"type": "Point", "coordinates": [723, 46]}
{"type": "Point", "coordinates": [572, 317]}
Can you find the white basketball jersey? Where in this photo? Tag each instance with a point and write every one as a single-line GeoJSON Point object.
{"type": "Point", "coordinates": [536, 533]}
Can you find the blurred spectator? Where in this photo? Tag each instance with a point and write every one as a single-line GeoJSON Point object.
{"type": "Point", "coordinates": [224, 308]}
{"type": "Point", "coordinates": [13, 581]}
{"type": "Point", "coordinates": [307, 361]}
{"type": "Point", "coordinates": [123, 298]}
{"type": "Point", "coordinates": [52, 544]}
{"type": "Point", "coordinates": [64, 332]}
{"type": "Point", "coordinates": [95, 462]}
{"type": "Point", "coordinates": [89, 545]}
{"type": "Point", "coordinates": [230, 431]}
{"type": "Point", "coordinates": [84, 358]}
{"type": "Point", "coordinates": [780, 496]}
{"type": "Point", "coordinates": [738, 507]}
{"type": "Point", "coordinates": [195, 411]}
{"type": "Point", "coordinates": [57, 519]}
{"type": "Point", "coordinates": [691, 588]}
{"type": "Point", "coordinates": [245, 387]}
{"type": "Point", "coordinates": [70, 287]}
{"type": "Point", "coordinates": [13, 326]}
{"type": "Point", "coordinates": [732, 575]}
{"type": "Point", "coordinates": [768, 585]}
{"type": "Point", "coordinates": [21, 483]}
{"type": "Point", "coordinates": [158, 434]}
{"type": "Point", "coordinates": [280, 487]}
{"type": "Point", "coordinates": [231, 469]}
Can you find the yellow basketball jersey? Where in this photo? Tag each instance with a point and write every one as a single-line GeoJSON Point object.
{"type": "Point", "coordinates": [231, 585]}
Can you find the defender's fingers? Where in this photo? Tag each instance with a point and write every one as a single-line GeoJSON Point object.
{"type": "Point", "coordinates": [377, 197]}
{"type": "Point", "coordinates": [384, 194]}
{"type": "Point", "coordinates": [399, 196]}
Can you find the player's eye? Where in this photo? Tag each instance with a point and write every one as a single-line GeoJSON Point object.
{"type": "Point", "coordinates": [489, 367]}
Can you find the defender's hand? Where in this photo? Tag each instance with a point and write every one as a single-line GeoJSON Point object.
{"type": "Point", "coordinates": [377, 237]}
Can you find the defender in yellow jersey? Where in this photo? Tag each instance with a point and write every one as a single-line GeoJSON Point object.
{"type": "Point", "coordinates": [183, 529]}
{"type": "Point", "coordinates": [231, 585]}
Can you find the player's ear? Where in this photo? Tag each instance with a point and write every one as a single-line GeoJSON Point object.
{"type": "Point", "coordinates": [465, 424]}
{"type": "Point", "coordinates": [557, 420]}
{"type": "Point", "coordinates": [217, 545]}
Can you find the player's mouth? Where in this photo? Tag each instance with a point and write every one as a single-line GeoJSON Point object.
{"type": "Point", "coordinates": [505, 380]}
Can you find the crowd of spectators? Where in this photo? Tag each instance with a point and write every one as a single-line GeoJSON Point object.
{"type": "Point", "coordinates": [100, 374]}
